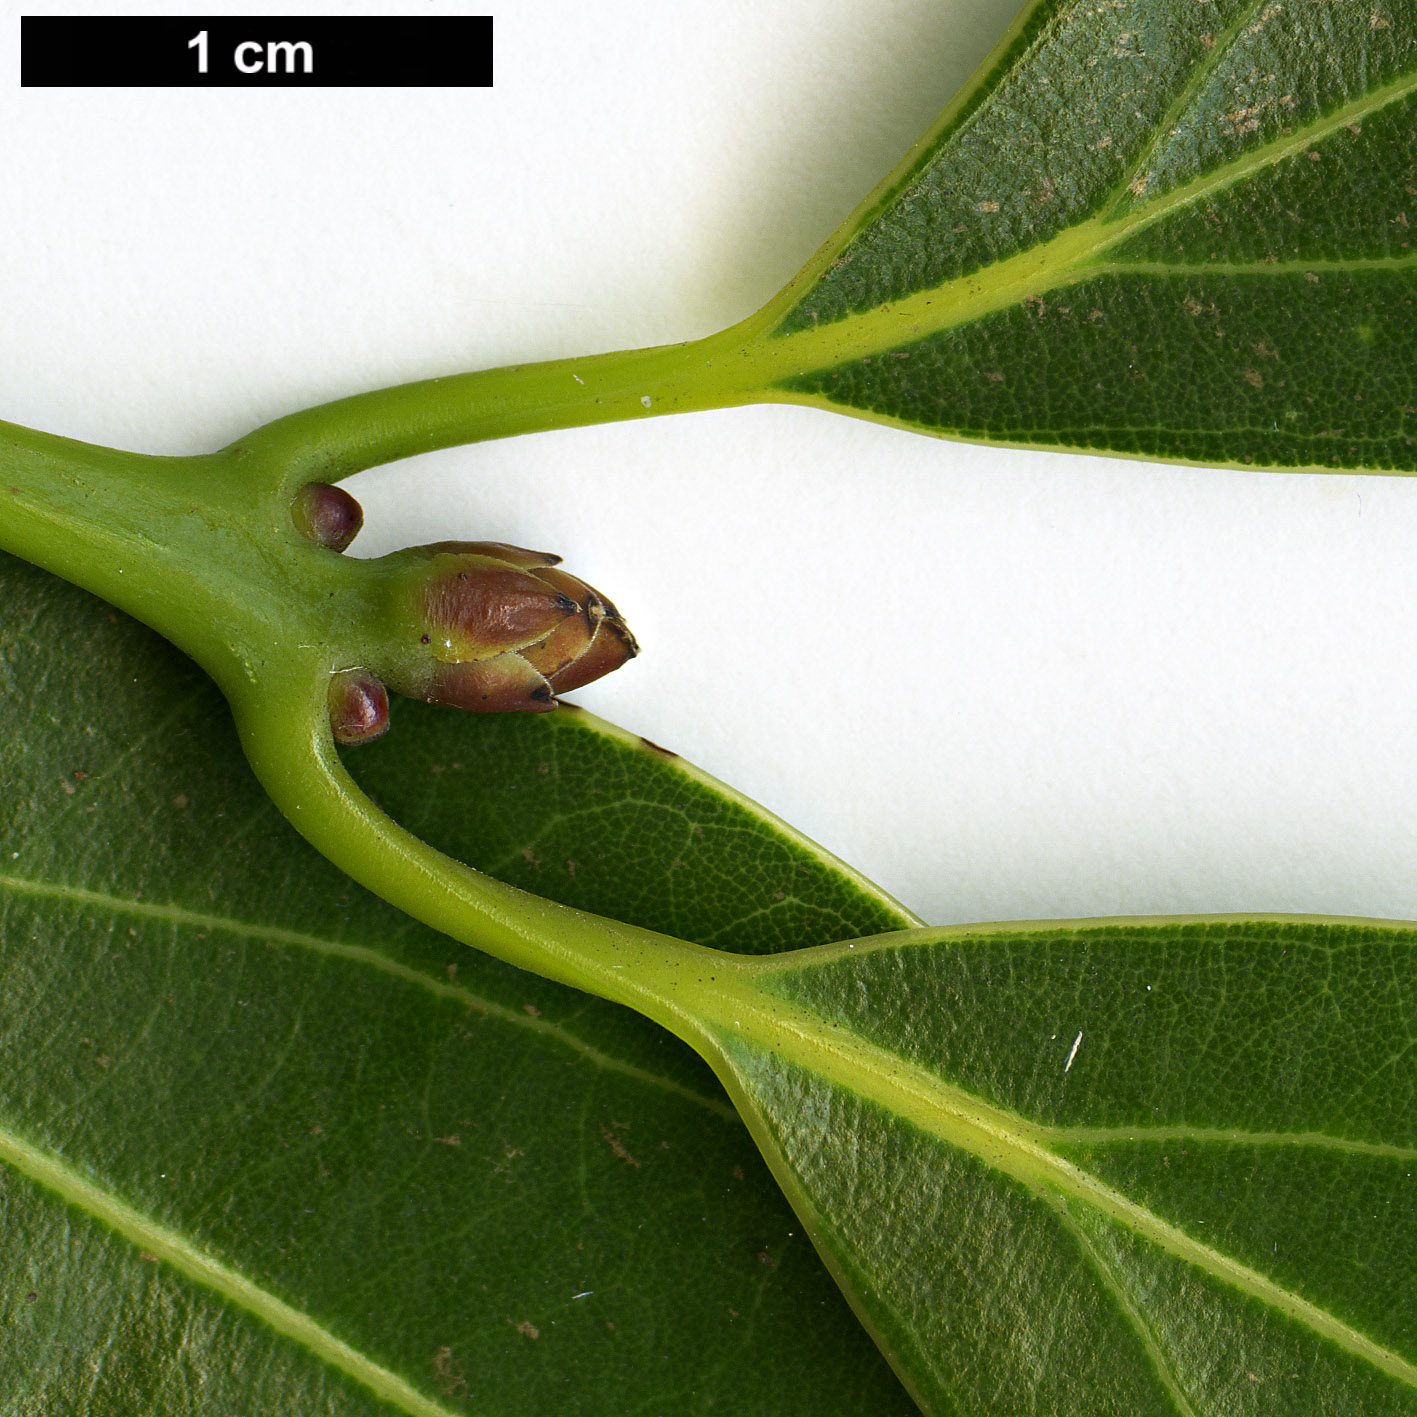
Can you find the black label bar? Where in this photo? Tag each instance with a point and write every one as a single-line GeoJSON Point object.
{"type": "Point", "coordinates": [148, 51]}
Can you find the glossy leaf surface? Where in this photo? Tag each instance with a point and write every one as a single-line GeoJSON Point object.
{"type": "Point", "coordinates": [268, 1146]}
{"type": "Point", "coordinates": [1158, 228]}
{"type": "Point", "coordinates": [1132, 1167]}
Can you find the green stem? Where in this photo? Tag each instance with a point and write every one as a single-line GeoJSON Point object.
{"type": "Point", "coordinates": [642, 969]}
{"type": "Point", "coordinates": [335, 440]}
{"type": "Point", "coordinates": [205, 550]}
{"type": "Point", "coordinates": [179, 543]}
{"type": "Point", "coordinates": [188, 546]}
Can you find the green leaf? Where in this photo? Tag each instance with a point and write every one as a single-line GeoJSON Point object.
{"type": "Point", "coordinates": [266, 1145]}
{"type": "Point", "coordinates": [262, 1146]}
{"type": "Point", "coordinates": [1161, 1167]}
{"type": "Point", "coordinates": [250, 1154]}
{"type": "Point", "coordinates": [1165, 229]}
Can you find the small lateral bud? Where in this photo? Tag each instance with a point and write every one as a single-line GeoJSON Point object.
{"type": "Point", "coordinates": [327, 514]}
{"type": "Point", "coordinates": [359, 706]}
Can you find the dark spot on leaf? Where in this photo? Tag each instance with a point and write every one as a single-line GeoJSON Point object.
{"type": "Point", "coordinates": [452, 1381]}
{"type": "Point", "coordinates": [617, 1146]}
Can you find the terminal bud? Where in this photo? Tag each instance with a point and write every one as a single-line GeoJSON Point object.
{"type": "Point", "coordinates": [503, 629]}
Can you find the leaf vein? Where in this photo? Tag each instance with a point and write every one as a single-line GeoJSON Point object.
{"type": "Point", "coordinates": [1268, 154]}
{"type": "Point", "coordinates": [1165, 1369]}
{"type": "Point", "coordinates": [1066, 259]}
{"type": "Point", "coordinates": [179, 916]}
{"type": "Point", "coordinates": [1322, 1140]}
{"type": "Point", "coordinates": [1219, 51]}
{"type": "Point", "coordinates": [184, 1256]}
{"type": "Point", "coordinates": [1314, 266]}
{"type": "Point", "coordinates": [1015, 1147]}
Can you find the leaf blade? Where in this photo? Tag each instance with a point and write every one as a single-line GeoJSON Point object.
{"type": "Point", "coordinates": [931, 1095]}
{"type": "Point", "coordinates": [1028, 282]}
{"type": "Point", "coordinates": [207, 1025]}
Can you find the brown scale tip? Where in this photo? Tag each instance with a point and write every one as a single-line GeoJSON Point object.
{"type": "Point", "coordinates": [327, 514]}
{"type": "Point", "coordinates": [586, 646]}
{"type": "Point", "coordinates": [498, 550]}
{"type": "Point", "coordinates": [359, 707]}
{"type": "Point", "coordinates": [505, 683]}
{"type": "Point", "coordinates": [612, 646]}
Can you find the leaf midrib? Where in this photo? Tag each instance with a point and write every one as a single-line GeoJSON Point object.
{"type": "Point", "coordinates": [740, 1009]}
{"type": "Point", "coordinates": [1074, 255]}
{"type": "Point", "coordinates": [366, 957]}
{"type": "Point", "coordinates": [146, 1235]}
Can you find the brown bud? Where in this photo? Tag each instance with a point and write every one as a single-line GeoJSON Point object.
{"type": "Point", "coordinates": [476, 606]}
{"type": "Point", "coordinates": [504, 629]}
{"type": "Point", "coordinates": [359, 706]}
{"type": "Point", "coordinates": [327, 514]}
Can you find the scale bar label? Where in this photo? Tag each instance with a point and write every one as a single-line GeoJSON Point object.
{"type": "Point", "coordinates": [327, 51]}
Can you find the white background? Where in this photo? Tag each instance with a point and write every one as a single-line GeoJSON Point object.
{"type": "Point", "coordinates": [1004, 684]}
